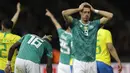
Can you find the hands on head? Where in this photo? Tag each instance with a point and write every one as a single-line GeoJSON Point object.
{"type": "Point", "coordinates": [81, 6]}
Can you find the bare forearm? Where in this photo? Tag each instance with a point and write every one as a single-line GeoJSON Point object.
{"type": "Point", "coordinates": [67, 14]}
{"type": "Point", "coordinates": [12, 49]}
{"type": "Point", "coordinates": [49, 69]}
{"type": "Point", "coordinates": [15, 17]}
{"type": "Point", "coordinates": [105, 14]}
{"type": "Point", "coordinates": [11, 52]}
{"type": "Point", "coordinates": [70, 11]}
{"type": "Point", "coordinates": [114, 54]}
{"type": "Point", "coordinates": [55, 22]}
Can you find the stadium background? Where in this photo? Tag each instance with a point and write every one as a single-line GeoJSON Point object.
{"type": "Point", "coordinates": [32, 19]}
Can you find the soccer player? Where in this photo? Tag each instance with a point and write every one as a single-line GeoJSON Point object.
{"type": "Point", "coordinates": [32, 47]}
{"type": "Point", "coordinates": [65, 44]}
{"type": "Point", "coordinates": [7, 39]}
{"type": "Point", "coordinates": [104, 49]}
{"type": "Point", "coordinates": [84, 36]}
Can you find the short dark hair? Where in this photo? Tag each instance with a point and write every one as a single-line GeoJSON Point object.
{"type": "Point", "coordinates": [7, 24]}
{"type": "Point", "coordinates": [86, 6]}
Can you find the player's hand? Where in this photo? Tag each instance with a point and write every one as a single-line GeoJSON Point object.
{"type": "Point", "coordinates": [49, 37]}
{"type": "Point", "coordinates": [7, 69]}
{"type": "Point", "coordinates": [119, 67]}
{"type": "Point", "coordinates": [48, 13]}
{"type": "Point", "coordinates": [18, 6]}
{"type": "Point", "coordinates": [92, 9]}
{"type": "Point", "coordinates": [81, 6]}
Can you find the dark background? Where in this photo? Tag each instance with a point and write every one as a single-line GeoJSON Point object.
{"type": "Point", "coordinates": [32, 19]}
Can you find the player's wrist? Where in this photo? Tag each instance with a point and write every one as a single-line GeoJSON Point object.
{"type": "Point", "coordinates": [96, 11]}
{"type": "Point", "coordinates": [8, 63]}
{"type": "Point", "coordinates": [119, 62]}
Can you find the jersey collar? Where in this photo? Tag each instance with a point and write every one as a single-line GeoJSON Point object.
{"type": "Point", "coordinates": [83, 23]}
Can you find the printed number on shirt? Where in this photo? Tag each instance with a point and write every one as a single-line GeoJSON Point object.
{"type": "Point", "coordinates": [37, 42]}
{"type": "Point", "coordinates": [64, 48]}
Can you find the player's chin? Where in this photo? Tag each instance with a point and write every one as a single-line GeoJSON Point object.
{"type": "Point", "coordinates": [85, 19]}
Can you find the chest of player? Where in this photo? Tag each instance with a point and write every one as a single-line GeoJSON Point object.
{"type": "Point", "coordinates": [86, 30]}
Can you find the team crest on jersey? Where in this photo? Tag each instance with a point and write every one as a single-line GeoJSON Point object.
{"type": "Point", "coordinates": [91, 26]}
{"type": "Point", "coordinates": [81, 25]}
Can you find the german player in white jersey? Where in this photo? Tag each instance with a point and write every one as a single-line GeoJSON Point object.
{"type": "Point", "coordinates": [65, 37]}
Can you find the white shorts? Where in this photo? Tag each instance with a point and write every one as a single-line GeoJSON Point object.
{"type": "Point", "coordinates": [84, 67]}
{"type": "Point", "coordinates": [26, 66]}
{"type": "Point", "coordinates": [63, 68]}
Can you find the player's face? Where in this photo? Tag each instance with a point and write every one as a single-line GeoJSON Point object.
{"type": "Point", "coordinates": [85, 14]}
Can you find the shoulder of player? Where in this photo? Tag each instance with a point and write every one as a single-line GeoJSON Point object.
{"type": "Point", "coordinates": [28, 35]}
{"type": "Point", "coordinates": [14, 35]}
{"type": "Point", "coordinates": [46, 42]}
{"type": "Point", "coordinates": [75, 20]}
{"type": "Point", "coordinates": [60, 29]}
{"type": "Point", "coordinates": [105, 31]}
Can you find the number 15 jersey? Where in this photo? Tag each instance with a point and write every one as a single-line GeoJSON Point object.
{"type": "Point", "coordinates": [32, 48]}
{"type": "Point", "coordinates": [65, 46]}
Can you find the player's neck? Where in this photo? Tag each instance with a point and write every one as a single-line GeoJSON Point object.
{"type": "Point", "coordinates": [84, 22]}
{"type": "Point", "coordinates": [68, 31]}
{"type": "Point", "coordinates": [6, 30]}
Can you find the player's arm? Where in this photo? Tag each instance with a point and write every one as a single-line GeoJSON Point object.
{"type": "Point", "coordinates": [15, 17]}
{"type": "Point", "coordinates": [112, 49]}
{"type": "Point", "coordinates": [10, 54]}
{"type": "Point", "coordinates": [12, 49]}
{"type": "Point", "coordinates": [67, 13]}
{"type": "Point", "coordinates": [49, 65]}
{"type": "Point", "coordinates": [114, 54]}
{"type": "Point", "coordinates": [55, 22]}
{"type": "Point", "coordinates": [49, 54]}
{"type": "Point", "coordinates": [106, 15]}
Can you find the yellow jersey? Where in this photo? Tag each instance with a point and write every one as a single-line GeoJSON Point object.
{"type": "Point", "coordinates": [102, 52]}
{"type": "Point", "coordinates": [6, 41]}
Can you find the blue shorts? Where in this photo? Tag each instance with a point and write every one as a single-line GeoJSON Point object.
{"type": "Point", "coordinates": [104, 68]}
{"type": "Point", "coordinates": [71, 68]}
{"type": "Point", "coordinates": [2, 71]}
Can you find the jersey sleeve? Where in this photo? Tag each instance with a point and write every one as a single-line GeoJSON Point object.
{"type": "Point", "coordinates": [96, 22]}
{"type": "Point", "coordinates": [17, 38]}
{"type": "Point", "coordinates": [60, 31]}
{"type": "Point", "coordinates": [22, 39]}
{"type": "Point", "coordinates": [49, 49]}
{"type": "Point", "coordinates": [109, 37]}
{"type": "Point", "coordinates": [74, 22]}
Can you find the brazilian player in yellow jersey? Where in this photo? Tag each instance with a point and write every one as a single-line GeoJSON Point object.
{"type": "Point", "coordinates": [7, 39]}
{"type": "Point", "coordinates": [104, 49]}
